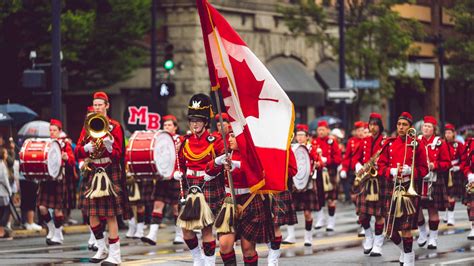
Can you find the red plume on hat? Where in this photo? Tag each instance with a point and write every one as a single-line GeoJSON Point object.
{"type": "Point", "coordinates": [359, 124]}
{"type": "Point", "coordinates": [225, 117]}
{"type": "Point", "coordinates": [449, 126]}
{"type": "Point", "coordinates": [407, 116]}
{"type": "Point", "coordinates": [323, 123]}
{"type": "Point", "coordinates": [430, 119]}
{"type": "Point", "coordinates": [170, 117]}
{"type": "Point", "coordinates": [302, 127]}
{"type": "Point", "coordinates": [101, 95]}
{"type": "Point", "coordinates": [57, 123]}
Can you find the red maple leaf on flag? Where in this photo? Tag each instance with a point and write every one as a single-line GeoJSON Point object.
{"type": "Point", "coordinates": [248, 87]}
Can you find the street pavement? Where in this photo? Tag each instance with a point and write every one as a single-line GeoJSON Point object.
{"type": "Point", "coordinates": [341, 247]}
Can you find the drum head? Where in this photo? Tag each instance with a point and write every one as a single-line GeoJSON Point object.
{"type": "Point", "coordinates": [164, 154]}
{"type": "Point", "coordinates": [54, 159]}
{"type": "Point", "coordinates": [303, 162]}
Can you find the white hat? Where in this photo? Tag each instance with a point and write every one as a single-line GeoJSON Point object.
{"type": "Point", "coordinates": [337, 133]}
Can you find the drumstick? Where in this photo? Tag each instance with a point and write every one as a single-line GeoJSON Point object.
{"type": "Point", "coordinates": [182, 201]}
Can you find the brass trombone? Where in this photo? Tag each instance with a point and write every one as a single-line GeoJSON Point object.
{"type": "Point", "coordinates": [97, 127]}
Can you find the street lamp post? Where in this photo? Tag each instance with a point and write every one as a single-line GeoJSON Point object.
{"type": "Point", "coordinates": [442, 96]}
{"type": "Point", "coordinates": [342, 59]}
{"type": "Point", "coordinates": [56, 59]}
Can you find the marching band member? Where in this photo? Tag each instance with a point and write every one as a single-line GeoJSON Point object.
{"type": "Point", "coordinates": [436, 199]}
{"type": "Point", "coordinates": [54, 193]}
{"type": "Point", "coordinates": [330, 154]}
{"type": "Point", "coordinates": [166, 191]}
{"type": "Point", "coordinates": [254, 220]}
{"type": "Point", "coordinates": [284, 213]}
{"type": "Point", "coordinates": [366, 207]}
{"type": "Point", "coordinates": [467, 167]}
{"type": "Point", "coordinates": [225, 123]}
{"type": "Point", "coordinates": [103, 162]}
{"type": "Point", "coordinates": [455, 184]}
{"type": "Point", "coordinates": [396, 165]}
{"type": "Point", "coordinates": [197, 150]}
{"type": "Point", "coordinates": [306, 200]}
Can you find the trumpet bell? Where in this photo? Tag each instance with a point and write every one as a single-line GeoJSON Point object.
{"type": "Point", "coordinates": [97, 126]}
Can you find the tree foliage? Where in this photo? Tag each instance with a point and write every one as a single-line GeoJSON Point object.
{"type": "Point", "coordinates": [460, 46]}
{"type": "Point", "coordinates": [378, 40]}
{"type": "Point", "coordinates": [100, 39]}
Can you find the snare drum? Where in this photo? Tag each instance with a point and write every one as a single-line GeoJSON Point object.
{"type": "Point", "coordinates": [151, 154]}
{"type": "Point", "coordinates": [40, 159]}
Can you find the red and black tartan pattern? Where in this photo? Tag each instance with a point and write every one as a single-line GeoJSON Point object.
{"type": "Point", "coordinates": [146, 188]}
{"type": "Point", "coordinates": [458, 188]}
{"type": "Point", "coordinates": [307, 200]}
{"type": "Point", "coordinates": [406, 222]}
{"type": "Point", "coordinates": [439, 195]}
{"type": "Point", "coordinates": [255, 223]}
{"type": "Point", "coordinates": [468, 200]}
{"type": "Point", "coordinates": [214, 192]}
{"type": "Point", "coordinates": [110, 205]}
{"type": "Point", "coordinates": [167, 191]}
{"type": "Point", "coordinates": [71, 195]}
{"type": "Point", "coordinates": [373, 208]}
{"type": "Point", "coordinates": [283, 209]}
{"type": "Point", "coordinates": [53, 194]}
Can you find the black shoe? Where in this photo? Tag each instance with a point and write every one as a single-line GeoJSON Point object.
{"type": "Point", "coordinates": [432, 247]}
{"type": "Point", "coordinates": [317, 227]}
{"type": "Point", "coordinates": [50, 242]}
{"type": "Point", "coordinates": [329, 230]}
{"type": "Point", "coordinates": [92, 247]}
{"type": "Point", "coordinates": [373, 254]}
{"type": "Point", "coordinates": [450, 224]}
{"type": "Point", "coordinates": [106, 263]}
{"type": "Point", "coordinates": [94, 260]}
{"type": "Point", "coordinates": [470, 237]}
{"type": "Point", "coordinates": [178, 242]}
{"type": "Point", "coordinates": [307, 244]}
{"type": "Point", "coordinates": [422, 244]}
{"type": "Point", "coordinates": [367, 251]}
{"type": "Point", "coordinates": [149, 241]}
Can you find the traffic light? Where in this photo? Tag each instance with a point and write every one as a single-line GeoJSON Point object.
{"type": "Point", "coordinates": [168, 63]}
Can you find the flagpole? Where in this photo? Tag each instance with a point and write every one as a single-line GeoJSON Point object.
{"type": "Point", "coordinates": [226, 151]}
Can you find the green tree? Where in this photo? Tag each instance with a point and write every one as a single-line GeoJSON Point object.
{"type": "Point", "coordinates": [460, 46]}
{"type": "Point", "coordinates": [378, 40]}
{"type": "Point", "coordinates": [102, 41]}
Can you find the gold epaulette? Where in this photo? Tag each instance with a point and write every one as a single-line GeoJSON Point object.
{"type": "Point", "coordinates": [190, 155]}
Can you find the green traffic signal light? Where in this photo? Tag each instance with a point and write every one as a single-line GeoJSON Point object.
{"type": "Point", "coordinates": [168, 64]}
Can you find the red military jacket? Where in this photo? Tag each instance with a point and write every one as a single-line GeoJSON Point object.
{"type": "Point", "coordinates": [467, 164]}
{"type": "Point", "coordinates": [393, 155]}
{"type": "Point", "coordinates": [117, 147]}
{"type": "Point", "coordinates": [371, 146]}
{"type": "Point", "coordinates": [67, 148]}
{"type": "Point", "coordinates": [238, 176]}
{"type": "Point", "coordinates": [353, 154]}
{"type": "Point", "coordinates": [456, 149]}
{"type": "Point", "coordinates": [438, 153]}
{"type": "Point", "coordinates": [329, 149]}
{"type": "Point", "coordinates": [314, 157]}
{"type": "Point", "coordinates": [197, 151]}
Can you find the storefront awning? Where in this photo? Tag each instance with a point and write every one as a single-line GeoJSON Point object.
{"type": "Point", "coordinates": [297, 81]}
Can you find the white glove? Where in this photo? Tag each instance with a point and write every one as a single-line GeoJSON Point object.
{"type": "Point", "coordinates": [454, 162]}
{"type": "Point", "coordinates": [324, 159]}
{"type": "Point", "coordinates": [358, 167]}
{"type": "Point", "coordinates": [406, 170]}
{"type": "Point", "coordinates": [208, 177]}
{"type": "Point", "coordinates": [455, 168]}
{"type": "Point", "coordinates": [235, 164]}
{"type": "Point", "coordinates": [108, 144]}
{"type": "Point", "coordinates": [178, 176]}
{"type": "Point", "coordinates": [343, 174]}
{"type": "Point", "coordinates": [394, 172]}
{"type": "Point", "coordinates": [81, 163]}
{"type": "Point", "coordinates": [220, 160]}
{"type": "Point", "coordinates": [470, 177]}
{"type": "Point", "coordinates": [89, 147]}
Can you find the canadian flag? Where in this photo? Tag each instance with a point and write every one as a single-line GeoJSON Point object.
{"type": "Point", "coordinates": [260, 112]}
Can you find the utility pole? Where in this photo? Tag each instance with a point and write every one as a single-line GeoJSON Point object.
{"type": "Point", "coordinates": [56, 60]}
{"type": "Point", "coordinates": [442, 96]}
{"type": "Point", "coordinates": [154, 7]}
{"type": "Point", "coordinates": [342, 60]}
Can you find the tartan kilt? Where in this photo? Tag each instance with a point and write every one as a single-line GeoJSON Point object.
{"type": "Point", "coordinates": [167, 191]}
{"type": "Point", "coordinates": [458, 188]}
{"type": "Point", "coordinates": [255, 223]}
{"type": "Point", "coordinates": [214, 191]}
{"type": "Point", "coordinates": [373, 208]}
{"type": "Point", "coordinates": [283, 209]}
{"type": "Point", "coordinates": [71, 195]}
{"type": "Point", "coordinates": [439, 195]}
{"type": "Point", "coordinates": [146, 188]}
{"type": "Point", "coordinates": [53, 194]}
{"type": "Point", "coordinates": [307, 200]}
{"type": "Point", "coordinates": [405, 222]}
{"type": "Point", "coordinates": [110, 205]}
{"type": "Point", "coordinates": [468, 200]}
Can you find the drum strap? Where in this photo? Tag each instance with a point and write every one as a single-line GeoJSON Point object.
{"type": "Point", "coordinates": [190, 155]}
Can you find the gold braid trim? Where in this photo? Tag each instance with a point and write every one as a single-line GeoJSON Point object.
{"type": "Point", "coordinates": [190, 155]}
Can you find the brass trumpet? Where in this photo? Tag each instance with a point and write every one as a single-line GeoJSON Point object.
{"type": "Point", "coordinates": [470, 188]}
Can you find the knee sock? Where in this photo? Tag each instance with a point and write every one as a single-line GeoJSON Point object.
{"type": "Point", "coordinates": [156, 218]}
{"type": "Point", "coordinates": [46, 217]}
{"type": "Point", "coordinates": [422, 221]}
{"type": "Point", "coordinates": [365, 221]}
{"type": "Point", "coordinates": [276, 243]}
{"type": "Point", "coordinates": [433, 225]}
{"type": "Point", "coordinates": [251, 260]}
{"type": "Point", "coordinates": [331, 210]}
{"type": "Point", "coordinates": [192, 243]}
{"type": "Point", "coordinates": [407, 244]}
{"type": "Point", "coordinates": [113, 240]}
{"type": "Point", "coordinates": [209, 248]}
{"type": "Point", "coordinates": [378, 229]}
{"type": "Point", "coordinates": [98, 231]}
{"type": "Point", "coordinates": [229, 258]}
{"type": "Point", "coordinates": [308, 225]}
{"type": "Point", "coordinates": [451, 206]}
{"type": "Point", "coordinates": [396, 239]}
{"type": "Point", "coordinates": [140, 217]}
{"type": "Point", "coordinates": [58, 221]}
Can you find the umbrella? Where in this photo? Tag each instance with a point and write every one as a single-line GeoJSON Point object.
{"type": "Point", "coordinates": [332, 120]}
{"type": "Point", "coordinates": [5, 119]}
{"type": "Point", "coordinates": [35, 129]}
{"type": "Point", "coordinates": [20, 113]}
